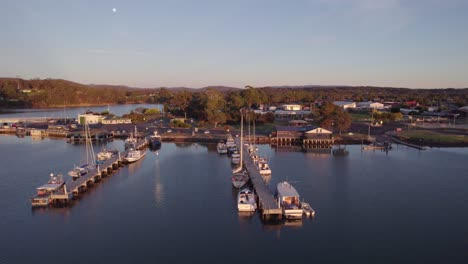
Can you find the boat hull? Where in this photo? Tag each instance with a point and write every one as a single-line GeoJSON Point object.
{"type": "Point", "coordinates": [293, 214]}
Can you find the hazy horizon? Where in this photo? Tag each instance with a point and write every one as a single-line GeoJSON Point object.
{"type": "Point", "coordinates": [383, 43]}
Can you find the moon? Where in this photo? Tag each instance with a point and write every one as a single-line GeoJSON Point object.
{"type": "Point", "coordinates": [114, 9]}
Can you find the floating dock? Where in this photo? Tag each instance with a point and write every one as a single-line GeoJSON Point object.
{"type": "Point", "coordinates": [74, 188]}
{"type": "Point", "coordinates": [266, 202]}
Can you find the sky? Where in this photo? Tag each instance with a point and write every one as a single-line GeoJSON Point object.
{"type": "Point", "coordinates": [197, 43]}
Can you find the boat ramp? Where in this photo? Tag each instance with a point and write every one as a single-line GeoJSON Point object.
{"type": "Point", "coordinates": [74, 188]}
{"type": "Point", "coordinates": [266, 202]}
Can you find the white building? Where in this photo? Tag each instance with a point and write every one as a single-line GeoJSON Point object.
{"type": "Point", "coordinates": [370, 105]}
{"type": "Point", "coordinates": [291, 107]}
{"type": "Point", "coordinates": [90, 119]}
{"type": "Point", "coordinates": [345, 105]}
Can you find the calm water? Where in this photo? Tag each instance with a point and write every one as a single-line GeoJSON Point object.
{"type": "Point", "coordinates": [118, 110]}
{"type": "Point", "coordinates": [178, 206]}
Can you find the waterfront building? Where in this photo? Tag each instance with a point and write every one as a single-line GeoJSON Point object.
{"type": "Point", "coordinates": [306, 136]}
{"type": "Point", "coordinates": [345, 105]}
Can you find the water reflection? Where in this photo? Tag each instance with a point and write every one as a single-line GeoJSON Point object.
{"type": "Point", "coordinates": [134, 167]}
{"type": "Point", "coordinates": [266, 178]}
{"type": "Point", "coordinates": [159, 191]}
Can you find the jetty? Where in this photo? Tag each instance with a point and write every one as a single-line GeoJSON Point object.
{"type": "Point", "coordinates": [408, 144]}
{"type": "Point", "coordinates": [73, 189]}
{"type": "Point", "coordinates": [266, 201]}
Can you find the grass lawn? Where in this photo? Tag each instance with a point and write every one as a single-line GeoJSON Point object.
{"type": "Point", "coordinates": [433, 136]}
{"type": "Point", "coordinates": [360, 116]}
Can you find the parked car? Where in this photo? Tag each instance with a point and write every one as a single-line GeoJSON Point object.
{"type": "Point", "coordinates": [206, 132]}
{"type": "Point", "coordinates": [169, 131]}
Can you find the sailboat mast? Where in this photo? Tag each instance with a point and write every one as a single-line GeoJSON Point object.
{"type": "Point", "coordinates": [254, 129]}
{"type": "Point", "coordinates": [241, 139]}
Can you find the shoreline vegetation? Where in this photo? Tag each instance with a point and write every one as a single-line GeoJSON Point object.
{"type": "Point", "coordinates": [219, 106]}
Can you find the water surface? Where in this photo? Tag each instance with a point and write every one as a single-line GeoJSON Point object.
{"type": "Point", "coordinates": [178, 205]}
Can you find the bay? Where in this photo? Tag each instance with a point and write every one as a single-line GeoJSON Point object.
{"type": "Point", "coordinates": [177, 205]}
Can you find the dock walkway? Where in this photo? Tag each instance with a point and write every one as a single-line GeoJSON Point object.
{"type": "Point", "coordinates": [73, 188]}
{"type": "Point", "coordinates": [267, 203]}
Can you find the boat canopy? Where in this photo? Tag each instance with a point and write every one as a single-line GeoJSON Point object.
{"type": "Point", "coordinates": [286, 190]}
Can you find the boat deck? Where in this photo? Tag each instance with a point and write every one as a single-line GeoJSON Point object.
{"type": "Point", "coordinates": [267, 203]}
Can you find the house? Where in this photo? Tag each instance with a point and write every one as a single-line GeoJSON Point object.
{"type": "Point", "coordinates": [90, 119]}
{"type": "Point", "coordinates": [345, 105]}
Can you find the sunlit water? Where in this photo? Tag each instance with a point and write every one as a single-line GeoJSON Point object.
{"type": "Point", "coordinates": [178, 205]}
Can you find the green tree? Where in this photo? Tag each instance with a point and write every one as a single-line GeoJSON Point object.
{"type": "Point", "coordinates": [214, 105]}
{"type": "Point", "coordinates": [152, 111]}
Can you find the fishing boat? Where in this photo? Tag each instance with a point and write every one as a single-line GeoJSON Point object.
{"type": "Point", "coordinates": [155, 140]}
{"type": "Point", "coordinates": [131, 141]}
{"type": "Point", "coordinates": [307, 209]}
{"type": "Point", "coordinates": [288, 199]}
{"type": "Point", "coordinates": [134, 155]}
{"type": "Point", "coordinates": [221, 147]}
{"type": "Point", "coordinates": [44, 192]}
{"type": "Point", "coordinates": [246, 200]}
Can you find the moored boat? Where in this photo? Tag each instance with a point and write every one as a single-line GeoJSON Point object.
{"type": "Point", "coordinates": [235, 159]}
{"type": "Point", "coordinates": [131, 141]}
{"type": "Point", "coordinates": [44, 192]}
{"type": "Point", "coordinates": [106, 154]}
{"type": "Point", "coordinates": [288, 199]}
{"type": "Point", "coordinates": [307, 209]}
{"type": "Point", "coordinates": [239, 179]}
{"type": "Point", "coordinates": [134, 155]}
{"type": "Point", "coordinates": [79, 171]}
{"type": "Point", "coordinates": [155, 140]}
{"type": "Point", "coordinates": [221, 147]}
{"type": "Point", "coordinates": [246, 200]}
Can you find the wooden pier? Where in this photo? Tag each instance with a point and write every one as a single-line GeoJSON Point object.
{"type": "Point", "coordinates": [74, 188]}
{"type": "Point", "coordinates": [266, 202]}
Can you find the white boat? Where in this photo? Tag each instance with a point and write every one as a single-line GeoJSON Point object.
{"type": "Point", "coordinates": [131, 141]}
{"type": "Point", "coordinates": [288, 199]}
{"type": "Point", "coordinates": [239, 179]}
{"type": "Point", "coordinates": [106, 154]}
{"type": "Point", "coordinates": [263, 168]}
{"type": "Point", "coordinates": [246, 201]}
{"type": "Point", "coordinates": [221, 147]}
{"type": "Point", "coordinates": [78, 171]}
{"type": "Point", "coordinates": [307, 209]}
{"type": "Point", "coordinates": [134, 155]}
{"type": "Point", "coordinates": [44, 192]}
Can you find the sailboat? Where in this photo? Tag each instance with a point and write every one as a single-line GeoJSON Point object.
{"type": "Point", "coordinates": [90, 163]}
{"type": "Point", "coordinates": [240, 177]}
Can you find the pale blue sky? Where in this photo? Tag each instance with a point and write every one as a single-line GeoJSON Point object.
{"type": "Point", "coordinates": [413, 43]}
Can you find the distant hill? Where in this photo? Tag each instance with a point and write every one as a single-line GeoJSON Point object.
{"type": "Point", "coordinates": [16, 92]}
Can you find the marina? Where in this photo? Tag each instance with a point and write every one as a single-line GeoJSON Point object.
{"type": "Point", "coordinates": [74, 188]}
{"type": "Point", "coordinates": [267, 203]}
{"type": "Point", "coordinates": [150, 198]}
